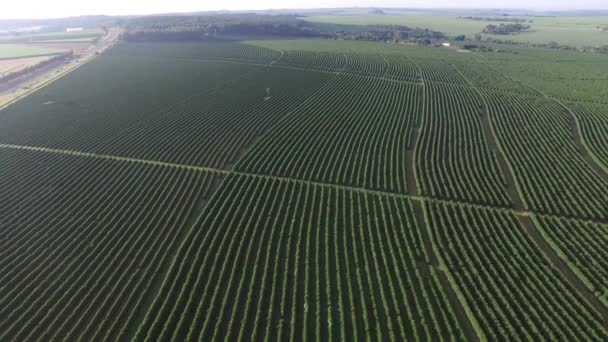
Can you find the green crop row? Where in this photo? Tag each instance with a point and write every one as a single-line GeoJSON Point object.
{"type": "Point", "coordinates": [537, 136]}
{"type": "Point", "coordinates": [83, 241]}
{"type": "Point", "coordinates": [593, 121]}
{"type": "Point", "coordinates": [210, 113]}
{"type": "Point", "coordinates": [388, 67]}
{"type": "Point", "coordinates": [511, 288]}
{"type": "Point", "coordinates": [359, 140]}
{"type": "Point", "coordinates": [280, 260]}
{"type": "Point", "coordinates": [105, 98]}
{"type": "Point", "coordinates": [583, 245]}
{"type": "Point", "coordinates": [453, 157]}
{"type": "Point", "coordinates": [197, 51]}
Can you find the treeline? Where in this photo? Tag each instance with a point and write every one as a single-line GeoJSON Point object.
{"type": "Point", "coordinates": [499, 19]}
{"type": "Point", "coordinates": [213, 26]}
{"type": "Point", "coordinates": [12, 75]}
{"type": "Point", "coordinates": [394, 33]}
{"type": "Point", "coordinates": [550, 45]}
{"type": "Point", "coordinates": [505, 29]}
{"type": "Point", "coordinates": [210, 27]}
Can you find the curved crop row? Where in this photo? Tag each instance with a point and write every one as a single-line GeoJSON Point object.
{"type": "Point", "coordinates": [486, 77]}
{"type": "Point", "coordinates": [275, 260]}
{"type": "Point", "coordinates": [580, 76]}
{"type": "Point", "coordinates": [513, 291]}
{"type": "Point", "coordinates": [390, 67]}
{"type": "Point", "coordinates": [354, 132]}
{"type": "Point", "coordinates": [583, 244]}
{"type": "Point", "coordinates": [83, 240]}
{"type": "Point", "coordinates": [437, 70]}
{"type": "Point", "coordinates": [227, 109]}
{"type": "Point", "coordinates": [593, 119]}
{"type": "Point", "coordinates": [198, 50]}
{"type": "Point", "coordinates": [453, 157]}
{"type": "Point", "coordinates": [554, 178]}
{"type": "Point", "coordinates": [215, 129]}
{"type": "Point", "coordinates": [316, 60]}
{"type": "Point", "coordinates": [401, 68]}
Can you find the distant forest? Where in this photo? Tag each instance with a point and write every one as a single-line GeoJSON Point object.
{"type": "Point", "coordinates": [506, 19]}
{"type": "Point", "coordinates": [209, 27]}
{"type": "Point", "coordinates": [504, 29]}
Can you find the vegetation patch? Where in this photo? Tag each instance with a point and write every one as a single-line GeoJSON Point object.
{"type": "Point", "coordinates": [10, 51]}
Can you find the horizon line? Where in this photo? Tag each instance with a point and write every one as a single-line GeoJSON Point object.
{"type": "Point", "coordinates": [538, 10]}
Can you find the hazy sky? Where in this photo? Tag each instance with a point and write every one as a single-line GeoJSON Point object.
{"type": "Point", "coordinates": [11, 9]}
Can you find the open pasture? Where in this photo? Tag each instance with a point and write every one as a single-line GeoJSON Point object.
{"type": "Point", "coordinates": [12, 51]}
{"type": "Point", "coordinates": [573, 31]}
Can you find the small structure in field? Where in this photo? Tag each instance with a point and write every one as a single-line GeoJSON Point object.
{"type": "Point", "coordinates": [446, 44]}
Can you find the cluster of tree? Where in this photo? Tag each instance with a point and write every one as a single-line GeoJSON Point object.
{"type": "Point", "coordinates": [596, 49]}
{"type": "Point", "coordinates": [12, 75]}
{"type": "Point", "coordinates": [214, 26]}
{"type": "Point", "coordinates": [550, 45]}
{"type": "Point", "coordinates": [485, 48]}
{"type": "Point", "coordinates": [505, 19]}
{"type": "Point", "coordinates": [394, 33]}
{"type": "Point", "coordinates": [505, 29]}
{"type": "Point", "coordinates": [162, 28]}
{"type": "Point", "coordinates": [554, 45]}
{"type": "Point", "coordinates": [376, 11]}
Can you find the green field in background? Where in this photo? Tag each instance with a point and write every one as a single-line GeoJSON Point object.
{"type": "Point", "coordinates": [8, 51]}
{"type": "Point", "coordinates": [69, 40]}
{"type": "Point", "coordinates": [574, 31]}
{"type": "Point", "coordinates": [84, 35]}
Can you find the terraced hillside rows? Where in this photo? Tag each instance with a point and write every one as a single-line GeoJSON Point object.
{"type": "Point", "coordinates": [554, 177]}
{"type": "Point", "coordinates": [299, 261]}
{"type": "Point", "coordinates": [453, 157]}
{"type": "Point", "coordinates": [83, 241]}
{"type": "Point", "coordinates": [512, 289]}
{"type": "Point", "coordinates": [360, 140]}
